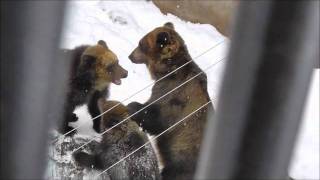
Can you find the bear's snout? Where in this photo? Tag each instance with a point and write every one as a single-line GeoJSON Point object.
{"type": "Point", "coordinates": [125, 74]}
{"type": "Point", "coordinates": [137, 56]}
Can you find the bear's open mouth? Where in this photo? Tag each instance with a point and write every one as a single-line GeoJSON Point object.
{"type": "Point", "coordinates": [116, 81]}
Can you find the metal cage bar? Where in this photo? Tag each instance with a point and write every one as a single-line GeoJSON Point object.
{"type": "Point", "coordinates": [273, 49]}
{"type": "Point", "coordinates": [32, 84]}
{"type": "Point", "coordinates": [262, 96]}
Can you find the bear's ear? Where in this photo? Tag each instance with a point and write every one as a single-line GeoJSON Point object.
{"type": "Point", "coordinates": [169, 25]}
{"type": "Point", "coordinates": [87, 61]}
{"type": "Point", "coordinates": [163, 39]}
{"type": "Point", "coordinates": [102, 43]}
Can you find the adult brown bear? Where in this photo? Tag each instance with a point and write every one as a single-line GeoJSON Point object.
{"type": "Point", "coordinates": [163, 50]}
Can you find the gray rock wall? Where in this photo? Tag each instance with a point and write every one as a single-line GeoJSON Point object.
{"type": "Point", "coordinates": [215, 12]}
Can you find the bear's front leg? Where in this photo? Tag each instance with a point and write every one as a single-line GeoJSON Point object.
{"type": "Point", "coordinates": [133, 107]}
{"type": "Point", "coordinates": [149, 118]}
{"type": "Point", "coordinates": [68, 116]}
{"type": "Point", "coordinates": [94, 110]}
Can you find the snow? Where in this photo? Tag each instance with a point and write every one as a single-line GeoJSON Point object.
{"type": "Point", "coordinates": [123, 23]}
{"type": "Point", "coordinates": [62, 166]}
{"type": "Point", "coordinates": [305, 162]}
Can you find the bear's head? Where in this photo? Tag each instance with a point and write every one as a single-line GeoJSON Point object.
{"type": "Point", "coordinates": [103, 64]}
{"type": "Point", "coordinates": [116, 112]}
{"type": "Point", "coordinates": [125, 129]}
{"type": "Point", "coordinates": [161, 50]}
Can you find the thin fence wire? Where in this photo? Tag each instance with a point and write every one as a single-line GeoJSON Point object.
{"type": "Point", "coordinates": [211, 48]}
{"type": "Point", "coordinates": [152, 139]}
{"type": "Point", "coordinates": [212, 65]}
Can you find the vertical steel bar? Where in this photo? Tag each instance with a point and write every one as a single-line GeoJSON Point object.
{"type": "Point", "coordinates": [32, 82]}
{"type": "Point", "coordinates": [273, 49]}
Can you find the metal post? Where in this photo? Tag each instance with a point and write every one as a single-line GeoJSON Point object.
{"type": "Point", "coordinates": [32, 82]}
{"type": "Point", "coordinates": [273, 49]}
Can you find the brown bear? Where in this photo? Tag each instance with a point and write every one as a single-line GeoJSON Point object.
{"type": "Point", "coordinates": [162, 51]}
{"type": "Point", "coordinates": [93, 68]}
{"type": "Point", "coordinates": [118, 143]}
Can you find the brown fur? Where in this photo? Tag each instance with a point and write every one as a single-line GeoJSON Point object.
{"type": "Point", "coordinates": [115, 115]}
{"type": "Point", "coordinates": [163, 50]}
{"type": "Point", "coordinates": [93, 69]}
{"type": "Point", "coordinates": [119, 142]}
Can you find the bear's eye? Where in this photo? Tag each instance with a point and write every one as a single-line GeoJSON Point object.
{"type": "Point", "coordinates": [110, 68]}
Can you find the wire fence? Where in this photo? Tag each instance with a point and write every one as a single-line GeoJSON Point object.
{"type": "Point", "coordinates": [193, 77]}
{"type": "Point", "coordinates": [141, 90]}
{"type": "Point", "coordinates": [154, 138]}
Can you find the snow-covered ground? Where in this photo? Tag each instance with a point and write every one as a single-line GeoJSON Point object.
{"type": "Point", "coordinates": [123, 23]}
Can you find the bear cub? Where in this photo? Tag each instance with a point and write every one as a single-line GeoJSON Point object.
{"type": "Point", "coordinates": [119, 142]}
{"type": "Point", "coordinates": [93, 68]}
